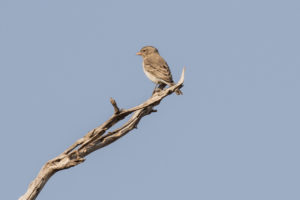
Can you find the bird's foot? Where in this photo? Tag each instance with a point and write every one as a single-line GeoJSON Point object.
{"type": "Point", "coordinates": [156, 90]}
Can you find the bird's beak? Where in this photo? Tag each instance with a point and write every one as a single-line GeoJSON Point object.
{"type": "Point", "coordinates": [139, 53]}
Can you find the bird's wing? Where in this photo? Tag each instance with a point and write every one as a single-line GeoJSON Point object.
{"type": "Point", "coordinates": [159, 68]}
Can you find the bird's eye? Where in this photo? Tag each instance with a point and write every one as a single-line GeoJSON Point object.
{"type": "Point", "coordinates": [143, 50]}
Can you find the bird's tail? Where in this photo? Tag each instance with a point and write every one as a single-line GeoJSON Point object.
{"type": "Point", "coordinates": [178, 92]}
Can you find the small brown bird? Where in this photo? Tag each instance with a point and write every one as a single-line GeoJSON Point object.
{"type": "Point", "coordinates": [156, 68]}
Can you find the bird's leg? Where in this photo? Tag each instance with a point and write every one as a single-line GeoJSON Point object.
{"type": "Point", "coordinates": [161, 86]}
{"type": "Point", "coordinates": [155, 88]}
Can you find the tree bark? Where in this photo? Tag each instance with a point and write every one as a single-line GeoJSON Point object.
{"type": "Point", "coordinates": [97, 138]}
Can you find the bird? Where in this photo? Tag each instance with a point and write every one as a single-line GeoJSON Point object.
{"type": "Point", "coordinates": [156, 68]}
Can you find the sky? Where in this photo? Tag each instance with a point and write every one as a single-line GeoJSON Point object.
{"type": "Point", "coordinates": [233, 135]}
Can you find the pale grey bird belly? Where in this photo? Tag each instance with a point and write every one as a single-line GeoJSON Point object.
{"type": "Point", "coordinates": [153, 78]}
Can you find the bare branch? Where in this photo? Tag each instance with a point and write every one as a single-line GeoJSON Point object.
{"type": "Point", "coordinates": [97, 138]}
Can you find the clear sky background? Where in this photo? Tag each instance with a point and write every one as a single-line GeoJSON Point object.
{"type": "Point", "coordinates": [233, 135]}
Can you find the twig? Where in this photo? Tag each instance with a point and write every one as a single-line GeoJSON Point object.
{"type": "Point", "coordinates": [114, 104]}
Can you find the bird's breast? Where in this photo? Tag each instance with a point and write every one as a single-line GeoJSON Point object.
{"type": "Point", "coordinates": [150, 76]}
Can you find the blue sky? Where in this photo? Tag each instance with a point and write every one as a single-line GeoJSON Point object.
{"type": "Point", "coordinates": [234, 134]}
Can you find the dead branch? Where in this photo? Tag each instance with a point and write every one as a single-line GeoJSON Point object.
{"type": "Point", "coordinates": [97, 138]}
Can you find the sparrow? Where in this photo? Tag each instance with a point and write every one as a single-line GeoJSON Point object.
{"type": "Point", "coordinates": [156, 68]}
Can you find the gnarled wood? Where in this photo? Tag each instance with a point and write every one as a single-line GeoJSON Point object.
{"type": "Point", "coordinates": [97, 138]}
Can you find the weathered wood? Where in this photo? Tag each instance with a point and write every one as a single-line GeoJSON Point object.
{"type": "Point", "coordinates": [97, 138]}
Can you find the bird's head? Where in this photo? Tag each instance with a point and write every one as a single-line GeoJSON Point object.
{"type": "Point", "coordinates": [147, 50]}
